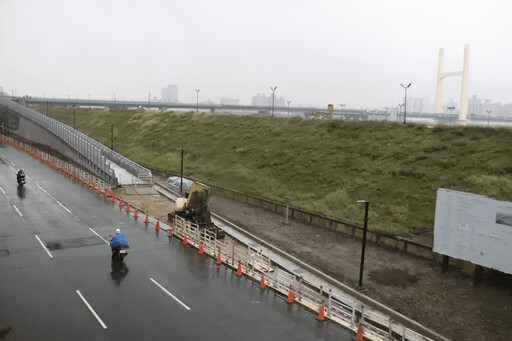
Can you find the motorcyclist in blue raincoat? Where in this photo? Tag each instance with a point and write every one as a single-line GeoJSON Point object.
{"type": "Point", "coordinates": [118, 241]}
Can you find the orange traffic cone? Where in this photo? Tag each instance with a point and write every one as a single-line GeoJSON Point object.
{"type": "Point", "coordinates": [262, 282]}
{"type": "Point", "coordinates": [88, 184]}
{"type": "Point", "coordinates": [105, 193]}
{"type": "Point", "coordinates": [170, 232]}
{"type": "Point", "coordinates": [290, 296]}
{"type": "Point", "coordinates": [113, 198]}
{"type": "Point", "coordinates": [136, 214]}
{"type": "Point", "coordinates": [147, 218]}
{"type": "Point", "coordinates": [121, 202]}
{"type": "Point", "coordinates": [99, 191]}
{"type": "Point", "coordinates": [127, 208]}
{"type": "Point", "coordinates": [219, 260]}
{"type": "Point", "coordinates": [321, 315]}
{"type": "Point", "coordinates": [157, 226]}
{"type": "Point", "coordinates": [185, 242]}
{"type": "Point", "coordinates": [239, 270]}
{"type": "Point", "coordinates": [110, 193]}
{"type": "Point", "coordinates": [201, 250]}
{"type": "Point", "coordinates": [359, 334]}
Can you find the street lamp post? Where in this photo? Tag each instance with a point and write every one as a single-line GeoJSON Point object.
{"type": "Point", "coordinates": [181, 173]}
{"type": "Point", "coordinates": [288, 107]}
{"type": "Point", "coordinates": [149, 97]}
{"type": "Point", "coordinates": [366, 205]}
{"type": "Point", "coordinates": [489, 117]}
{"type": "Point", "coordinates": [450, 108]}
{"type": "Point", "coordinates": [197, 99]}
{"type": "Point", "coordinates": [405, 101]}
{"type": "Point", "coordinates": [273, 90]}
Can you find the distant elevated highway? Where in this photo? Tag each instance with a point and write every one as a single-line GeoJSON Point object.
{"type": "Point", "coordinates": [307, 112]}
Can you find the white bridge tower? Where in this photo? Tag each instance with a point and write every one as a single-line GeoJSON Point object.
{"type": "Point", "coordinates": [463, 111]}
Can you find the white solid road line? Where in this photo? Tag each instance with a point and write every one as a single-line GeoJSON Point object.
{"type": "Point", "coordinates": [21, 215]}
{"type": "Point", "coordinates": [168, 293]}
{"type": "Point", "coordinates": [1, 189]}
{"type": "Point", "coordinates": [96, 233]}
{"type": "Point", "coordinates": [51, 196]}
{"type": "Point", "coordinates": [92, 310]}
{"type": "Point", "coordinates": [44, 247]}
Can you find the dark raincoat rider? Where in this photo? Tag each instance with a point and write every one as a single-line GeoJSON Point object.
{"type": "Point", "coordinates": [20, 175]}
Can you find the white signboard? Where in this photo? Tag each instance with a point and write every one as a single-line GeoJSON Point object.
{"type": "Point", "coordinates": [474, 228]}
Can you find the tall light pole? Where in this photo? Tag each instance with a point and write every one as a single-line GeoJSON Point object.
{"type": "Point", "coordinates": [400, 105]}
{"type": "Point", "coordinates": [489, 117]}
{"type": "Point", "coordinates": [405, 101]}
{"type": "Point", "coordinates": [366, 206]}
{"type": "Point", "coordinates": [197, 99]}
{"type": "Point", "coordinates": [273, 90]}
{"type": "Point", "coordinates": [288, 107]}
{"type": "Point", "coordinates": [450, 108]}
{"type": "Point", "coordinates": [181, 173]}
{"type": "Point", "coordinates": [149, 97]}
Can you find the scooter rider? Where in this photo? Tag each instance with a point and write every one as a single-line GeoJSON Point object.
{"type": "Point", "coordinates": [118, 240]}
{"type": "Point", "coordinates": [20, 175]}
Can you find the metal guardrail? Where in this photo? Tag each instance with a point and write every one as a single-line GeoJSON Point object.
{"type": "Point", "coordinates": [341, 309]}
{"type": "Point", "coordinates": [59, 165]}
{"type": "Point", "coordinates": [72, 143]}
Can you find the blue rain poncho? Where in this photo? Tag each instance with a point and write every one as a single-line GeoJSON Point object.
{"type": "Point", "coordinates": [119, 240]}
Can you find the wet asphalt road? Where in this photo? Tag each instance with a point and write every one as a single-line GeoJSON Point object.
{"type": "Point", "coordinates": [57, 280]}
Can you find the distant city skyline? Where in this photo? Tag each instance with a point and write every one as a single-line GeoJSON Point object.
{"type": "Point", "coordinates": [316, 52]}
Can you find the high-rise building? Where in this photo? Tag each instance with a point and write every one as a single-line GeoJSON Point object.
{"type": "Point", "coordinates": [474, 105]}
{"type": "Point", "coordinates": [170, 94]}
{"type": "Point", "coordinates": [262, 100]}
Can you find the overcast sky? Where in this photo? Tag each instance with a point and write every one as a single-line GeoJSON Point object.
{"type": "Point", "coordinates": [316, 52]}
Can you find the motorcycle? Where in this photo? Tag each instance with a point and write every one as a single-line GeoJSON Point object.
{"type": "Point", "coordinates": [118, 253]}
{"type": "Point", "coordinates": [21, 179]}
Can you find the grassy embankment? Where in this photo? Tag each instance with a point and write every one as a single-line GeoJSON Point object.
{"type": "Point", "coordinates": [324, 166]}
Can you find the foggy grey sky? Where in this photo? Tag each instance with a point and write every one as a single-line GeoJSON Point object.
{"type": "Point", "coordinates": [315, 52]}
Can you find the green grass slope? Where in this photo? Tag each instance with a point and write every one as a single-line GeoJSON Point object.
{"type": "Point", "coordinates": [323, 165]}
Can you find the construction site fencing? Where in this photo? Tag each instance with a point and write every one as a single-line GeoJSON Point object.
{"type": "Point", "coordinates": [79, 147]}
{"type": "Point", "coordinates": [58, 165]}
{"type": "Point", "coordinates": [252, 261]}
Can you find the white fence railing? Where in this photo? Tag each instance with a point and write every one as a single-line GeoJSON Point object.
{"type": "Point", "coordinates": [341, 309]}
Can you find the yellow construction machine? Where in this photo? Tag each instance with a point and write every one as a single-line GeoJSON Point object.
{"type": "Point", "coordinates": [195, 208]}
